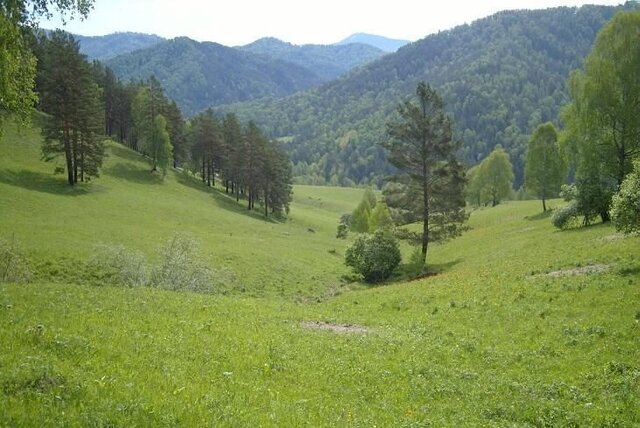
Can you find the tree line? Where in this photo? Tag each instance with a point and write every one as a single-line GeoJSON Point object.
{"type": "Point", "coordinates": [85, 103]}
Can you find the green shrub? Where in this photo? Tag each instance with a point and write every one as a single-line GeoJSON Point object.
{"type": "Point", "coordinates": [13, 265]}
{"type": "Point", "coordinates": [374, 257]}
{"type": "Point", "coordinates": [116, 265]}
{"type": "Point", "coordinates": [181, 267]}
{"type": "Point", "coordinates": [625, 205]}
{"type": "Point", "coordinates": [563, 217]}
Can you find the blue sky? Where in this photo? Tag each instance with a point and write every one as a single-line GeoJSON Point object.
{"type": "Point", "coordinates": [237, 22]}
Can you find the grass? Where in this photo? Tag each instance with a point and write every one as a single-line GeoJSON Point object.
{"type": "Point", "coordinates": [491, 340]}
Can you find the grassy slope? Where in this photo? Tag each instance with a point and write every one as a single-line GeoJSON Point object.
{"type": "Point", "coordinates": [489, 341]}
{"type": "Point", "coordinates": [131, 207]}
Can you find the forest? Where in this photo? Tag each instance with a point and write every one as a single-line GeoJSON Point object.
{"type": "Point", "coordinates": [500, 77]}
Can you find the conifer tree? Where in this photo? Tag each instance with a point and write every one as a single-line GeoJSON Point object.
{"type": "Point", "coordinates": [429, 185]}
{"type": "Point", "coordinates": [72, 100]}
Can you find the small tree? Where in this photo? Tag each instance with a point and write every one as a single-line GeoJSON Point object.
{"type": "Point", "coordinates": [495, 175]}
{"type": "Point", "coordinates": [374, 257]}
{"type": "Point", "coordinates": [380, 218]}
{"type": "Point", "coordinates": [625, 206]}
{"type": "Point", "coordinates": [545, 168]}
{"type": "Point", "coordinates": [359, 221]}
{"type": "Point", "coordinates": [159, 148]}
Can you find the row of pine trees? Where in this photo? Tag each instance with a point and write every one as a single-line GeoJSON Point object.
{"type": "Point", "coordinates": [84, 103]}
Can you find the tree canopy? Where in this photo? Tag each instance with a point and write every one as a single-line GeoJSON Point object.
{"type": "Point", "coordinates": [545, 168]}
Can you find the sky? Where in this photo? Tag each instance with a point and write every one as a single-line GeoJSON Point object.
{"type": "Point", "coordinates": [238, 22]}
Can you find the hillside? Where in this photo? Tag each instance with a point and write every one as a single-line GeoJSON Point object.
{"type": "Point", "coordinates": [383, 43]}
{"type": "Point", "coordinates": [201, 75]}
{"type": "Point", "coordinates": [112, 45]}
{"type": "Point", "coordinates": [513, 330]}
{"type": "Point", "coordinates": [327, 61]}
{"type": "Point", "coordinates": [500, 77]}
{"type": "Point", "coordinates": [128, 201]}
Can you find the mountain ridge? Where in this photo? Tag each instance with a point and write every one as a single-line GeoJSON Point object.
{"type": "Point", "coordinates": [384, 43]}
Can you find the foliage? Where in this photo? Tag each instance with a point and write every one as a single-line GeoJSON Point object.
{"type": "Point", "coordinates": [601, 119]}
{"type": "Point", "coordinates": [159, 147]}
{"type": "Point", "coordinates": [182, 268]}
{"type": "Point", "coordinates": [343, 226]}
{"type": "Point", "coordinates": [545, 167]}
{"type": "Point", "coordinates": [18, 72]}
{"type": "Point", "coordinates": [359, 220]}
{"type": "Point", "coordinates": [380, 218]}
{"type": "Point", "coordinates": [13, 265]}
{"type": "Point", "coordinates": [72, 99]}
{"type": "Point", "coordinates": [116, 265]}
{"type": "Point", "coordinates": [326, 61]}
{"type": "Point", "coordinates": [429, 184]}
{"type": "Point", "coordinates": [500, 77]}
{"type": "Point", "coordinates": [374, 257]}
{"type": "Point", "coordinates": [625, 205]}
{"type": "Point", "coordinates": [111, 45]}
{"type": "Point", "coordinates": [494, 177]}
{"type": "Point", "coordinates": [200, 75]}
{"type": "Point", "coordinates": [564, 216]}
{"type": "Point", "coordinates": [588, 198]}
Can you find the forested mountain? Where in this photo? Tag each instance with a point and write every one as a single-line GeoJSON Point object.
{"type": "Point", "coordinates": [199, 75]}
{"type": "Point", "coordinates": [383, 43]}
{"type": "Point", "coordinates": [327, 61]}
{"type": "Point", "coordinates": [112, 45]}
{"type": "Point", "coordinates": [500, 77]}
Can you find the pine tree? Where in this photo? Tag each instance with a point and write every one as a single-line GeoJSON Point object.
{"type": "Point", "coordinates": [72, 100]}
{"type": "Point", "coordinates": [429, 185]}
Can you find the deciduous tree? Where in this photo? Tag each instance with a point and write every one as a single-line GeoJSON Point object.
{"type": "Point", "coordinates": [545, 168]}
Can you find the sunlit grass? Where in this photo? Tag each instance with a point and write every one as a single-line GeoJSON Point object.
{"type": "Point", "coordinates": [490, 340]}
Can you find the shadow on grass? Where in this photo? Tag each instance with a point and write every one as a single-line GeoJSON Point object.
{"type": "Point", "coordinates": [45, 183]}
{"type": "Point", "coordinates": [134, 173]}
{"type": "Point", "coordinates": [540, 216]}
{"type": "Point", "coordinates": [223, 200]}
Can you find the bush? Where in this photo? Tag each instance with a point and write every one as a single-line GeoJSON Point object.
{"type": "Point", "coordinates": [13, 265]}
{"type": "Point", "coordinates": [115, 265]}
{"type": "Point", "coordinates": [374, 257]}
{"type": "Point", "coordinates": [181, 267]}
{"type": "Point", "coordinates": [625, 206]}
{"type": "Point", "coordinates": [563, 217]}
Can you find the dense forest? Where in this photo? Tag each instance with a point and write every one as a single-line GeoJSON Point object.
{"type": "Point", "coordinates": [326, 61]}
{"type": "Point", "coordinates": [199, 75]}
{"type": "Point", "coordinates": [112, 45]}
{"type": "Point", "coordinates": [500, 77]}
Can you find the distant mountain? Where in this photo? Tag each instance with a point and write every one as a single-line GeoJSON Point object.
{"type": "Point", "coordinates": [200, 75]}
{"type": "Point", "coordinates": [112, 45]}
{"type": "Point", "coordinates": [500, 77]}
{"type": "Point", "coordinates": [382, 43]}
{"type": "Point", "coordinates": [327, 61]}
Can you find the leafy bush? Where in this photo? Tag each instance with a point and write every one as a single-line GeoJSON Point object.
{"type": "Point", "coordinates": [625, 206]}
{"type": "Point", "coordinates": [374, 257]}
{"type": "Point", "coordinates": [13, 265]}
{"type": "Point", "coordinates": [181, 267]}
{"type": "Point", "coordinates": [563, 217]}
{"type": "Point", "coordinates": [117, 265]}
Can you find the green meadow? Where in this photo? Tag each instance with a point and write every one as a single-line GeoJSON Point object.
{"type": "Point", "coordinates": [518, 324]}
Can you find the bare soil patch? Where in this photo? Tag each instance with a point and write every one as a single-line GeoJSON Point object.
{"type": "Point", "coordinates": [583, 270]}
{"type": "Point", "coordinates": [336, 328]}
